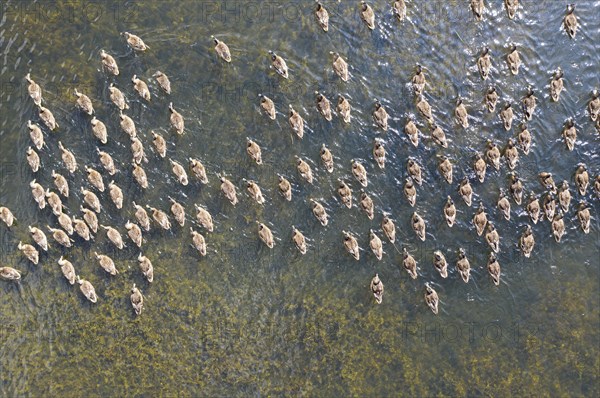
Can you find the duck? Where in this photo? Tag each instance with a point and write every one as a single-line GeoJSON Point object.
{"type": "Point", "coordinates": [30, 252]}
{"type": "Point", "coordinates": [366, 203]}
{"type": "Point", "coordinates": [176, 119]}
{"type": "Point", "coordinates": [480, 167]}
{"type": "Point", "coordinates": [445, 168]}
{"type": "Point", "coordinates": [466, 191]}
{"type": "Point", "coordinates": [117, 97]}
{"type": "Point", "coordinates": [570, 21]}
{"type": "Point", "coordinates": [127, 124]}
{"type": "Point", "coordinates": [66, 223]}
{"type": "Point", "coordinates": [91, 200]}
{"type": "Point", "coordinates": [304, 170]}
{"type": "Point", "coordinates": [146, 267]}
{"type": "Point", "coordinates": [380, 116]}
{"type": "Point", "coordinates": [160, 217]}
{"type": "Point", "coordinates": [399, 10]}
{"type": "Point", "coordinates": [511, 7]}
{"type": "Point", "coordinates": [106, 263]}
{"type": "Point", "coordinates": [140, 176]}
{"type": "Point", "coordinates": [255, 192]}
{"type": "Point", "coordinates": [547, 181]}
{"type": "Point", "coordinates": [524, 139]}
{"type": "Point", "coordinates": [514, 60]}
{"type": "Point", "coordinates": [60, 236]}
{"type": "Point", "coordinates": [583, 214]}
{"type": "Point", "coordinates": [549, 206]}
{"type": "Point", "coordinates": [414, 170]}
{"type": "Point", "coordinates": [254, 151]}
{"type": "Point", "coordinates": [557, 85]}
{"type": "Point", "coordinates": [412, 132]}
{"type": "Point", "coordinates": [379, 153]}
{"type": "Point", "coordinates": [409, 263]}
{"type": "Point", "coordinates": [141, 87]}
{"type": "Point", "coordinates": [198, 242]}
{"type": "Point", "coordinates": [345, 194]}
{"type": "Point", "coordinates": [39, 237]}
{"type": "Point", "coordinates": [68, 158]}
{"type": "Point", "coordinates": [39, 195]}
{"type": "Point", "coordinates": [82, 229]}
{"type": "Point", "coordinates": [492, 237]}
{"type": "Point", "coordinates": [507, 116]}
{"type": "Point", "coordinates": [299, 240]}
{"type": "Point", "coordinates": [109, 64]}
{"type": "Point", "coordinates": [351, 245]}
{"type": "Point", "coordinates": [340, 66]}
{"type": "Point", "coordinates": [34, 90]}
{"type": "Point", "coordinates": [377, 288]}
{"type": "Point", "coordinates": [135, 233]}
{"type": "Point", "coordinates": [478, 7]}
{"type": "Point", "coordinates": [324, 106]}
{"type": "Point", "coordinates": [344, 109]}
{"type": "Point", "coordinates": [48, 118]}
{"type": "Point", "coordinates": [440, 263]}
{"type": "Point", "coordinates": [229, 190]}
{"type": "Point", "coordinates": [319, 212]}
{"type": "Point", "coordinates": [54, 202]}
{"type": "Point", "coordinates": [516, 188]}
{"type": "Point", "coordinates": [285, 188]}
{"type": "Point", "coordinates": [570, 134]}
{"type": "Point", "coordinates": [137, 150]}
{"type": "Point", "coordinates": [204, 218]}
{"type": "Point", "coordinates": [564, 196]}
{"type": "Point", "coordinates": [594, 105]}
{"type": "Point", "coordinates": [480, 219]}
{"type": "Point", "coordinates": [142, 216]}
{"type": "Point", "coordinates": [431, 299]}
{"type": "Point", "coordinates": [419, 80]}
{"type": "Point", "coordinates": [533, 208]}
{"type": "Point", "coordinates": [327, 158]}
{"type": "Point", "coordinates": [461, 115]}
{"type": "Point", "coordinates": [418, 225]}
{"type": "Point", "coordinates": [463, 266]}
{"type": "Point", "coordinates": [68, 270]}
{"type": "Point", "coordinates": [425, 109]}
{"type": "Point", "coordinates": [504, 205]}
{"type": "Point", "coordinates": [529, 103]}
{"type": "Point", "coordinates": [84, 102]}
{"type": "Point", "coordinates": [178, 211]}
{"type": "Point", "coordinates": [137, 300]}
{"type": "Point", "coordinates": [438, 136]}
{"type": "Point", "coordinates": [582, 179]}
{"type": "Point", "coordinates": [7, 216]}
{"type": "Point", "coordinates": [222, 50]}
{"type": "Point", "coordinates": [491, 99]}
{"type": "Point", "coordinates": [90, 218]}
{"type": "Point", "coordinates": [359, 172]}
{"type": "Point", "coordinates": [494, 269]}
{"type": "Point", "coordinates": [95, 178]}
{"type": "Point", "coordinates": [33, 159]}
{"type": "Point", "coordinates": [389, 229]}
{"type": "Point", "coordinates": [296, 123]}
{"type": "Point", "coordinates": [163, 81]}
{"type": "Point", "coordinates": [99, 130]}
{"type": "Point", "coordinates": [410, 191]}
{"type": "Point", "coordinates": [107, 162]}
{"type": "Point", "coordinates": [493, 154]}
{"type": "Point", "coordinates": [36, 135]}
{"type": "Point", "coordinates": [558, 226]}
{"type": "Point", "coordinates": [279, 64]}
{"type": "Point", "coordinates": [268, 106]}
{"type": "Point", "coordinates": [114, 236]}
{"type": "Point", "coordinates": [135, 42]}
{"type": "Point", "coordinates": [179, 172]}
{"type": "Point", "coordinates": [87, 289]}
{"type": "Point", "coordinates": [322, 17]}
{"type": "Point", "coordinates": [450, 212]}
{"type": "Point", "coordinates": [265, 235]}
{"type": "Point", "coordinates": [376, 245]}
{"type": "Point", "coordinates": [511, 154]}
{"type": "Point", "coordinates": [367, 15]}
{"type": "Point", "coordinates": [160, 145]}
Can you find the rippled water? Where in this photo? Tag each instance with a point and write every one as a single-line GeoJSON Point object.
{"type": "Point", "coordinates": [246, 320]}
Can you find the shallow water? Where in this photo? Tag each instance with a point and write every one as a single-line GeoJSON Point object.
{"type": "Point", "coordinates": [246, 320]}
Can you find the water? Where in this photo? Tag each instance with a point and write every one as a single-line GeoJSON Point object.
{"type": "Point", "coordinates": [246, 320]}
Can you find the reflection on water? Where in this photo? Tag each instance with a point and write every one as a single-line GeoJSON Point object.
{"type": "Point", "coordinates": [246, 320]}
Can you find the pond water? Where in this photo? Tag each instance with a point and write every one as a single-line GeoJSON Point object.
{"type": "Point", "coordinates": [249, 321]}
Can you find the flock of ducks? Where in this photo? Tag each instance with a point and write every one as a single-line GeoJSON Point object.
{"type": "Point", "coordinates": [553, 205]}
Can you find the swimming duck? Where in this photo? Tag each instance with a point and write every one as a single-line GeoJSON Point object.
{"type": "Point", "coordinates": [60, 236]}
{"type": "Point", "coordinates": [141, 87]}
{"type": "Point", "coordinates": [570, 22]}
{"type": "Point", "coordinates": [142, 216]}
{"type": "Point", "coordinates": [254, 191]}
{"type": "Point", "coordinates": [557, 85]}
{"type": "Point", "coordinates": [146, 267]}
{"type": "Point", "coordinates": [106, 263]}
{"type": "Point", "coordinates": [30, 252]}
{"type": "Point", "coordinates": [418, 225]}
{"type": "Point", "coordinates": [431, 299]}
{"type": "Point", "coordinates": [411, 130]}
{"type": "Point", "coordinates": [558, 226]}
{"type": "Point", "coordinates": [438, 135]}
{"type": "Point", "coordinates": [254, 151]}
{"type": "Point", "coordinates": [511, 154]}
{"type": "Point", "coordinates": [204, 218]}
{"type": "Point", "coordinates": [54, 202]}
{"type": "Point", "coordinates": [450, 212]}
{"type": "Point", "coordinates": [265, 234]}
{"type": "Point", "coordinates": [514, 60]}
{"type": "Point", "coordinates": [87, 289]}
{"type": "Point", "coordinates": [494, 269]}
{"type": "Point", "coordinates": [409, 263]}
{"type": "Point", "coordinates": [547, 181]}
{"type": "Point", "coordinates": [376, 245]}
{"type": "Point", "coordinates": [419, 80]}
{"type": "Point", "coordinates": [379, 153]}
{"type": "Point", "coordinates": [463, 266]}
{"type": "Point", "coordinates": [35, 91]}
{"type": "Point", "coordinates": [296, 122]}
{"type": "Point", "coordinates": [440, 263]}
{"type": "Point", "coordinates": [480, 167]}
{"type": "Point", "coordinates": [389, 229]}
{"type": "Point", "coordinates": [410, 191]}
{"type": "Point", "coordinates": [279, 64]}
{"type": "Point", "coordinates": [109, 64]}
{"type": "Point", "coordinates": [507, 116]}
{"type": "Point", "coordinates": [116, 194]}
{"type": "Point", "coordinates": [66, 223]}
{"type": "Point", "coordinates": [582, 179]}
{"type": "Point", "coordinates": [351, 245]}
{"type": "Point", "coordinates": [493, 155]}
{"type": "Point", "coordinates": [179, 172]}
{"type": "Point", "coordinates": [492, 237]}
{"type": "Point", "coordinates": [327, 158]}
{"type": "Point", "coordinates": [6, 216]}
{"type": "Point", "coordinates": [160, 145]}
{"type": "Point", "coordinates": [36, 135]}
{"type": "Point", "coordinates": [570, 134]}
{"type": "Point", "coordinates": [198, 170]}
{"type": "Point", "coordinates": [137, 150]}
{"type": "Point", "coordinates": [367, 15]}
{"type": "Point", "coordinates": [366, 203]}
{"type": "Point", "coordinates": [414, 170]}
{"type": "Point", "coordinates": [67, 269]}
{"type": "Point", "coordinates": [99, 130]}
{"type": "Point", "coordinates": [324, 106]}
{"type": "Point", "coordinates": [90, 218]}
{"type": "Point", "coordinates": [176, 119]}
{"type": "Point", "coordinates": [48, 118]}
{"type": "Point", "coordinates": [491, 99]}
{"type": "Point", "coordinates": [477, 6]}
{"type": "Point", "coordinates": [137, 300]}
{"type": "Point", "coordinates": [516, 188]}
{"type": "Point", "coordinates": [529, 104]}
{"type": "Point", "coordinates": [285, 188]}
{"type": "Point", "coordinates": [319, 212]}
{"type": "Point", "coordinates": [268, 106]}
{"type": "Point", "coordinates": [504, 205]}
{"type": "Point", "coordinates": [81, 228]}
{"type": "Point", "coordinates": [114, 236]}
{"type": "Point", "coordinates": [445, 168]}
{"type": "Point", "coordinates": [480, 219]}
{"type": "Point", "coordinates": [594, 105]}
{"type": "Point", "coordinates": [198, 242]}
{"type": "Point", "coordinates": [399, 10]}
{"type": "Point", "coordinates": [33, 159]}
{"type": "Point", "coordinates": [425, 109]}
{"type": "Point", "coordinates": [564, 196]}
{"type": "Point", "coordinates": [163, 81]}
{"type": "Point", "coordinates": [466, 191]}
{"type": "Point", "coordinates": [222, 50]}
{"type": "Point", "coordinates": [160, 217]}
{"type": "Point", "coordinates": [68, 158]}
{"type": "Point", "coordinates": [39, 237]}
{"type": "Point", "coordinates": [380, 116]}
{"type": "Point", "coordinates": [39, 195]}
{"type": "Point", "coordinates": [322, 16]}
{"type": "Point", "coordinates": [344, 109]}
{"type": "Point", "coordinates": [583, 214]}
{"type": "Point", "coordinates": [549, 206]}
{"type": "Point", "coordinates": [127, 125]}
{"type": "Point", "coordinates": [377, 288]}
{"type": "Point", "coordinates": [117, 97]}
{"type": "Point", "coordinates": [461, 115]}
{"type": "Point", "coordinates": [345, 194]}
{"type": "Point", "coordinates": [228, 190]}
{"type": "Point", "coordinates": [107, 162]}
{"type": "Point", "coordinates": [524, 139]}
{"type": "Point", "coordinates": [178, 211]}
{"type": "Point", "coordinates": [533, 208]}
{"type": "Point", "coordinates": [91, 199]}
{"type": "Point", "coordinates": [511, 7]}
{"type": "Point", "coordinates": [135, 42]}
{"type": "Point", "coordinates": [304, 170]}
{"type": "Point", "coordinates": [359, 172]}
{"type": "Point", "coordinates": [340, 66]}
{"type": "Point", "coordinates": [84, 102]}
{"type": "Point", "coordinates": [95, 178]}
{"type": "Point", "coordinates": [299, 240]}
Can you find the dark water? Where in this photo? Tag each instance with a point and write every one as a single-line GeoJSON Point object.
{"type": "Point", "coordinates": [246, 320]}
